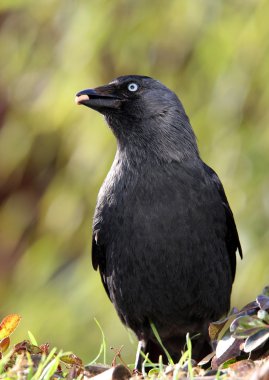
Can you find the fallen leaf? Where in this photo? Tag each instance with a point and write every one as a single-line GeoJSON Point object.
{"type": "Point", "coordinates": [4, 344]}
{"type": "Point", "coordinates": [216, 327]}
{"type": "Point", "coordinates": [45, 348]}
{"type": "Point", "coordinates": [207, 358]}
{"type": "Point", "coordinates": [25, 345]}
{"type": "Point", "coordinates": [242, 368]}
{"type": "Point", "coordinates": [71, 359]}
{"type": "Point", "coordinates": [8, 325]}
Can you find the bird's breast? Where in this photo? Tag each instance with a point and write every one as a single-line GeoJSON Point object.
{"type": "Point", "coordinates": [160, 230]}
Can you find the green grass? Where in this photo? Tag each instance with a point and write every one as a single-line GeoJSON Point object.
{"type": "Point", "coordinates": [29, 361]}
{"type": "Point", "coordinates": [103, 346]}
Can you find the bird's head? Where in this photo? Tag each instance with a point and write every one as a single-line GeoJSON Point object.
{"type": "Point", "coordinates": [142, 111]}
{"type": "Point", "coordinates": [134, 96]}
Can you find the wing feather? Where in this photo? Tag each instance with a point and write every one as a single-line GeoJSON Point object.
{"type": "Point", "coordinates": [232, 238]}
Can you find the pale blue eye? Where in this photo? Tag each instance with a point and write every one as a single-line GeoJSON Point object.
{"type": "Point", "coordinates": [132, 87]}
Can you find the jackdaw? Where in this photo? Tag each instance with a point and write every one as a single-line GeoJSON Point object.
{"type": "Point", "coordinates": [164, 236]}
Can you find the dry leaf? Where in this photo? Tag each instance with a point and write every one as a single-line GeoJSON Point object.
{"type": "Point", "coordinates": [4, 344]}
{"type": "Point", "coordinates": [8, 325]}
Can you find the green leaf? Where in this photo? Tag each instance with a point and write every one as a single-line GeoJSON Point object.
{"type": "Point", "coordinates": [154, 372]}
{"type": "Point", "coordinates": [249, 307]}
{"type": "Point", "coordinates": [263, 315]}
{"type": "Point", "coordinates": [243, 327]}
{"type": "Point", "coordinates": [224, 344]}
{"type": "Point", "coordinates": [263, 302]}
{"type": "Point", "coordinates": [256, 340]}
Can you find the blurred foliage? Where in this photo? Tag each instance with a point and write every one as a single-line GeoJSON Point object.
{"type": "Point", "coordinates": [54, 156]}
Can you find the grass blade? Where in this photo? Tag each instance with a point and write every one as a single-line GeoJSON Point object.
{"type": "Point", "coordinates": [98, 355]}
{"type": "Point", "coordinates": [189, 350]}
{"type": "Point", "coordinates": [103, 339]}
{"type": "Point", "coordinates": [4, 361]}
{"type": "Point", "coordinates": [51, 368]}
{"type": "Point", "coordinates": [157, 336]}
{"type": "Point", "coordinates": [43, 363]}
{"type": "Point", "coordinates": [32, 338]}
{"type": "Point", "coordinates": [102, 347]}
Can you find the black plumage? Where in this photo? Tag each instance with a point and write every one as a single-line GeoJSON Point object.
{"type": "Point", "coordinates": [164, 236]}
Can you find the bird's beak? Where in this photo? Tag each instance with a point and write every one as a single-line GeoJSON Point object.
{"type": "Point", "coordinates": [99, 98]}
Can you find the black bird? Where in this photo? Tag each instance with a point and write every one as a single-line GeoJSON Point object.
{"type": "Point", "coordinates": [164, 236]}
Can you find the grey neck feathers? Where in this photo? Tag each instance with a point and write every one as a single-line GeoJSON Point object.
{"type": "Point", "coordinates": [165, 137]}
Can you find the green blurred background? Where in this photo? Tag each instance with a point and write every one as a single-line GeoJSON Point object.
{"type": "Point", "coordinates": [54, 155]}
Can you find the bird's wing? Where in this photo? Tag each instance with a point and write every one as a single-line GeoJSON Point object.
{"type": "Point", "coordinates": [232, 238]}
{"type": "Point", "coordinates": [99, 259]}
